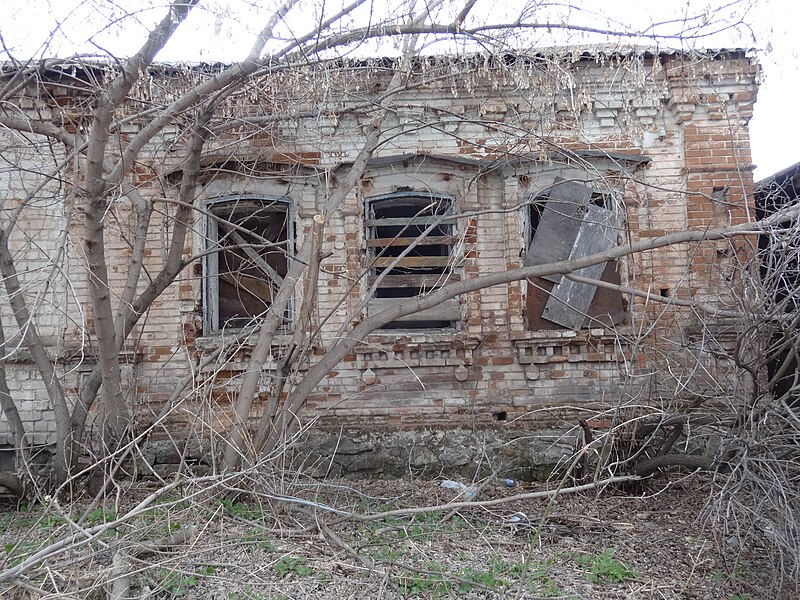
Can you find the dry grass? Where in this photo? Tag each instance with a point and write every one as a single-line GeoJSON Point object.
{"type": "Point", "coordinates": [636, 543]}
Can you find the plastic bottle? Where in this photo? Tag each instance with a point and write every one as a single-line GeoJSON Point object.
{"type": "Point", "coordinates": [449, 484]}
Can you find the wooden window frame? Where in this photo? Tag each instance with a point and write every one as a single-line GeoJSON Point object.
{"type": "Point", "coordinates": [433, 270]}
{"type": "Point", "coordinates": [211, 260]}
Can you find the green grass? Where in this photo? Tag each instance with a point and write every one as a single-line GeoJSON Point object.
{"type": "Point", "coordinates": [255, 512]}
{"type": "Point", "coordinates": [489, 579]}
{"type": "Point", "coordinates": [20, 551]}
{"type": "Point", "coordinates": [435, 581]}
{"type": "Point", "coordinates": [604, 568]}
{"type": "Point", "coordinates": [386, 551]}
{"type": "Point", "coordinates": [99, 516]}
{"type": "Point", "coordinates": [428, 585]}
{"type": "Point", "coordinates": [178, 584]}
{"type": "Point", "coordinates": [256, 537]}
{"type": "Point", "coordinates": [23, 519]}
{"type": "Point", "coordinates": [292, 565]}
{"type": "Point", "coordinates": [541, 584]}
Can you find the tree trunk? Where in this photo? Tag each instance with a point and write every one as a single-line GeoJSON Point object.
{"type": "Point", "coordinates": [268, 436]}
{"type": "Point", "coordinates": [9, 409]}
{"type": "Point", "coordinates": [295, 353]}
{"type": "Point", "coordinates": [63, 457]}
{"type": "Point", "coordinates": [114, 412]}
{"type": "Point", "coordinates": [238, 443]}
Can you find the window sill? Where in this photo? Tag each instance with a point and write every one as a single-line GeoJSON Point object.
{"type": "Point", "coordinates": [560, 346]}
{"type": "Point", "coordinates": [536, 337]}
{"type": "Point", "coordinates": [215, 341]}
{"type": "Point", "coordinates": [417, 337]}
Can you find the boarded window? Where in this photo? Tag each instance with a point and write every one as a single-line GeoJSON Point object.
{"type": "Point", "coordinates": [410, 240]}
{"type": "Point", "coordinates": [252, 239]}
{"type": "Point", "coordinates": [572, 221]}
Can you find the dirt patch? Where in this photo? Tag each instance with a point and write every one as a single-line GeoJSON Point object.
{"type": "Point", "coordinates": [301, 539]}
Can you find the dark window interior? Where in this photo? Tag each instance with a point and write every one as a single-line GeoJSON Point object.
{"type": "Point", "coordinates": [394, 225]}
{"type": "Point", "coordinates": [253, 236]}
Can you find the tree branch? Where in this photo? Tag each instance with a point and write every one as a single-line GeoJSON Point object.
{"type": "Point", "coordinates": [409, 306]}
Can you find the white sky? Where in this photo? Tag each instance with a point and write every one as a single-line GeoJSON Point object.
{"type": "Point", "coordinates": [224, 30]}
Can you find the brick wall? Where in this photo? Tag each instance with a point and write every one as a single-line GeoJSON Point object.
{"type": "Point", "coordinates": [668, 133]}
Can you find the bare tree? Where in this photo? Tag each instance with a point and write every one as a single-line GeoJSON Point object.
{"type": "Point", "coordinates": [119, 128]}
{"type": "Point", "coordinates": [113, 118]}
{"type": "Point", "coordinates": [746, 435]}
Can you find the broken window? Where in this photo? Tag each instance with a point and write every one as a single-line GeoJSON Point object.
{"type": "Point", "coordinates": [571, 221]}
{"type": "Point", "coordinates": [253, 237]}
{"type": "Point", "coordinates": [410, 242]}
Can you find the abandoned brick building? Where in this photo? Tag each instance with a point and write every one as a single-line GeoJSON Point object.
{"type": "Point", "coordinates": [501, 163]}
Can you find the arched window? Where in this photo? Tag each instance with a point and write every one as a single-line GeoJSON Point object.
{"type": "Point", "coordinates": [411, 238]}
{"type": "Point", "coordinates": [570, 220]}
{"type": "Point", "coordinates": [250, 239]}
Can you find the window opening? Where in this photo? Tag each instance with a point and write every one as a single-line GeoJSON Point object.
{"type": "Point", "coordinates": [394, 226]}
{"type": "Point", "coordinates": [602, 199]}
{"type": "Point", "coordinates": [253, 237]}
{"type": "Point", "coordinates": [572, 221]}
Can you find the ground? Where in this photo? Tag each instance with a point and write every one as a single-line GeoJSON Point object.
{"type": "Point", "coordinates": [645, 541]}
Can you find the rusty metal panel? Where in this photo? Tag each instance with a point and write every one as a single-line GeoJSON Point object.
{"type": "Point", "coordinates": [536, 296]}
{"type": "Point", "coordinates": [559, 224]}
{"type": "Point", "coordinates": [609, 306]}
{"type": "Point", "coordinates": [570, 301]}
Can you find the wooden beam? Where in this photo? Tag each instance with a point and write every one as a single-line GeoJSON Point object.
{"type": "Point", "coordinates": [449, 310]}
{"type": "Point", "coordinates": [419, 281]}
{"type": "Point", "coordinates": [402, 221]}
{"type": "Point", "coordinates": [436, 240]}
{"type": "Point", "coordinates": [413, 262]}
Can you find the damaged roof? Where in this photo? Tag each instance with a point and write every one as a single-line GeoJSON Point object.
{"type": "Point", "coordinates": [778, 189]}
{"type": "Point", "coordinates": [575, 54]}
